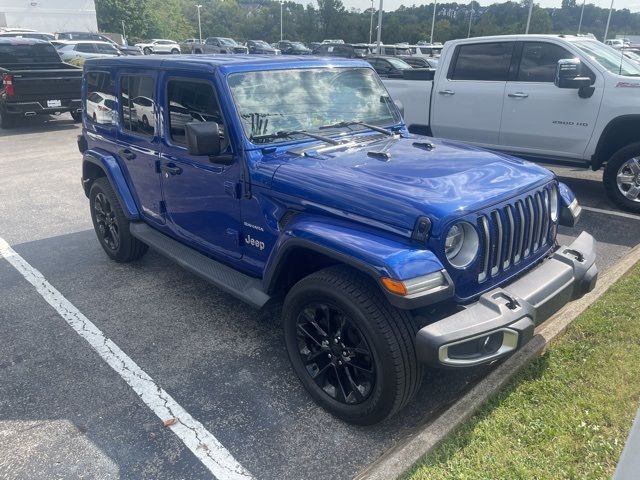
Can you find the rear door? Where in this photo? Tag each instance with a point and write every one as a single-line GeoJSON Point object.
{"type": "Point", "coordinates": [540, 118]}
{"type": "Point", "coordinates": [202, 198]}
{"type": "Point", "coordinates": [139, 140]}
{"type": "Point", "coordinates": [467, 101]}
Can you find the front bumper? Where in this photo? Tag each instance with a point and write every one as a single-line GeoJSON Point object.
{"type": "Point", "coordinates": [503, 320]}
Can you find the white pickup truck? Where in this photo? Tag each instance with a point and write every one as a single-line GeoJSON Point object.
{"type": "Point", "coordinates": [541, 97]}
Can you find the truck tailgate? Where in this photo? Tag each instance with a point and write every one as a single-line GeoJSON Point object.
{"type": "Point", "coordinates": [61, 82]}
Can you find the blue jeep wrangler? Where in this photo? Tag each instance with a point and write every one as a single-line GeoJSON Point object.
{"type": "Point", "coordinates": [295, 180]}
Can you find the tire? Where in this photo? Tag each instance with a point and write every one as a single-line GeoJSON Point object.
{"type": "Point", "coordinates": [622, 177]}
{"type": "Point", "coordinates": [77, 116]}
{"type": "Point", "coordinates": [175, 51]}
{"type": "Point", "coordinates": [386, 378]}
{"type": "Point", "coordinates": [95, 118]}
{"type": "Point", "coordinates": [107, 215]}
{"type": "Point", "coordinates": [146, 51]}
{"type": "Point", "coordinates": [6, 121]}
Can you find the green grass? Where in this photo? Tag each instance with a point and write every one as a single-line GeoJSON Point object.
{"type": "Point", "coordinates": [566, 415]}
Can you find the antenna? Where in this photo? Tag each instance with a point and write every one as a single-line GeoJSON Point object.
{"type": "Point", "coordinates": [622, 54]}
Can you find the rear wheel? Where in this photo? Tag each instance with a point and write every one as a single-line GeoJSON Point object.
{"type": "Point", "coordinates": [111, 225]}
{"type": "Point", "coordinates": [77, 116]}
{"type": "Point", "coordinates": [353, 352]}
{"type": "Point", "coordinates": [175, 51]}
{"type": "Point", "coordinates": [622, 177]}
{"type": "Point", "coordinates": [146, 51]}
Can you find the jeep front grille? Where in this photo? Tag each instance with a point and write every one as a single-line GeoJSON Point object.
{"type": "Point", "coordinates": [514, 232]}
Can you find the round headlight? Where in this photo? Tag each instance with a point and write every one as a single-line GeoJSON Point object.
{"type": "Point", "coordinates": [461, 244]}
{"type": "Point", "coordinates": [554, 204]}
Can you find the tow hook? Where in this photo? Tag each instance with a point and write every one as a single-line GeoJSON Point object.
{"type": "Point", "coordinates": [578, 256]}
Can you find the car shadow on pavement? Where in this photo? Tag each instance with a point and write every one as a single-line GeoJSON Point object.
{"type": "Point", "coordinates": [222, 361]}
{"type": "Point", "coordinates": [40, 123]}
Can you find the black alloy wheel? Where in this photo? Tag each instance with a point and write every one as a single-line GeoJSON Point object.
{"type": "Point", "coordinates": [335, 353]}
{"type": "Point", "coordinates": [106, 222]}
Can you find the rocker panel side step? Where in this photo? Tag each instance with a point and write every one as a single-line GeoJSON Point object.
{"type": "Point", "coordinates": [244, 287]}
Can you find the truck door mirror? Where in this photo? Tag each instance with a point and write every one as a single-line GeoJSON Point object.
{"type": "Point", "coordinates": [569, 74]}
{"type": "Point", "coordinates": [203, 138]}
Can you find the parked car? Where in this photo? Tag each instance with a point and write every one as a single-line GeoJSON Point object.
{"type": "Point", "coordinates": [261, 47]}
{"type": "Point", "coordinates": [92, 36]}
{"type": "Point", "coordinates": [288, 47]}
{"type": "Point", "coordinates": [158, 45]}
{"type": "Point", "coordinates": [101, 107]}
{"type": "Point", "coordinates": [220, 45]}
{"type": "Point", "coordinates": [389, 66]}
{"type": "Point", "coordinates": [35, 81]}
{"type": "Point", "coordinates": [329, 41]}
{"type": "Point", "coordinates": [391, 251]}
{"type": "Point", "coordinates": [345, 50]}
{"type": "Point", "coordinates": [187, 45]}
{"type": "Point", "coordinates": [616, 43]}
{"type": "Point", "coordinates": [420, 62]}
{"type": "Point", "coordinates": [70, 50]}
{"type": "Point", "coordinates": [572, 99]}
{"type": "Point", "coordinates": [430, 51]}
{"type": "Point", "coordinates": [27, 34]}
{"type": "Point", "coordinates": [394, 50]}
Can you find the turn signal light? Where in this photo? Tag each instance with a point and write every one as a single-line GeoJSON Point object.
{"type": "Point", "coordinates": [394, 286]}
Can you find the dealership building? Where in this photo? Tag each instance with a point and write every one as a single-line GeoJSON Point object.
{"type": "Point", "coordinates": [49, 15]}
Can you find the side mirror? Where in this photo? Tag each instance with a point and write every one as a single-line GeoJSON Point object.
{"type": "Point", "coordinates": [203, 138]}
{"type": "Point", "coordinates": [569, 74]}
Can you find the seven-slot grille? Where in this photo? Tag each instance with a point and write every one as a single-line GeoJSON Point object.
{"type": "Point", "coordinates": [514, 232]}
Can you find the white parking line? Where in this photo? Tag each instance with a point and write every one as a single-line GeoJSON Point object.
{"type": "Point", "coordinates": [611, 212]}
{"type": "Point", "coordinates": [197, 438]}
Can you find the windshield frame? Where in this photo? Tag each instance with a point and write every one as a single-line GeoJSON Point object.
{"type": "Point", "coordinates": [586, 47]}
{"type": "Point", "coordinates": [396, 121]}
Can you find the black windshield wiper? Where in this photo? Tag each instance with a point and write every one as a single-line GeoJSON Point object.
{"type": "Point", "coordinates": [290, 133]}
{"type": "Point", "coordinates": [375, 128]}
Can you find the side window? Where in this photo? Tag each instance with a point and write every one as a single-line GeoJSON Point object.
{"type": "Point", "coordinates": [85, 47]}
{"type": "Point", "coordinates": [103, 48]}
{"type": "Point", "coordinates": [539, 60]}
{"type": "Point", "coordinates": [190, 101]}
{"type": "Point", "coordinates": [482, 61]}
{"type": "Point", "coordinates": [101, 101]}
{"type": "Point", "coordinates": [137, 107]}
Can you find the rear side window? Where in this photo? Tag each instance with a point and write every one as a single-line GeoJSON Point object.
{"type": "Point", "coordinates": [482, 61]}
{"type": "Point", "coordinates": [137, 107]}
{"type": "Point", "coordinates": [19, 52]}
{"type": "Point", "coordinates": [85, 47]}
{"type": "Point", "coordinates": [190, 101]}
{"type": "Point", "coordinates": [100, 104]}
{"type": "Point", "coordinates": [539, 60]}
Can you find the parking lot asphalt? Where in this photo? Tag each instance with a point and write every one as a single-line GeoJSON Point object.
{"type": "Point", "coordinates": [64, 413]}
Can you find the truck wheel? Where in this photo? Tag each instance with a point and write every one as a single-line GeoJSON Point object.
{"type": "Point", "coordinates": [353, 352]}
{"type": "Point", "coordinates": [111, 226]}
{"type": "Point", "coordinates": [622, 177]}
{"type": "Point", "coordinates": [77, 116]}
{"type": "Point", "coordinates": [146, 51]}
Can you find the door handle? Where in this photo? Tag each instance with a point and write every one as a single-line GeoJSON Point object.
{"type": "Point", "coordinates": [172, 169]}
{"type": "Point", "coordinates": [126, 154]}
{"type": "Point", "coordinates": [519, 95]}
{"type": "Point", "coordinates": [447, 92]}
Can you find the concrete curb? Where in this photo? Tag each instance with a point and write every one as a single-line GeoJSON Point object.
{"type": "Point", "coordinates": [399, 459]}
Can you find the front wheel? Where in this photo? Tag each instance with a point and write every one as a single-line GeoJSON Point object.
{"type": "Point", "coordinates": [353, 352]}
{"type": "Point", "coordinates": [146, 51]}
{"type": "Point", "coordinates": [622, 177]}
{"type": "Point", "coordinates": [77, 116]}
{"type": "Point", "coordinates": [175, 51]}
{"type": "Point", "coordinates": [110, 224]}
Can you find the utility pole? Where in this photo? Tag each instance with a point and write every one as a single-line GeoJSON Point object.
{"type": "Point", "coordinates": [470, 18]}
{"type": "Point", "coordinates": [199, 23]}
{"type": "Point", "coordinates": [606, 30]}
{"type": "Point", "coordinates": [581, 15]}
{"type": "Point", "coordinates": [371, 24]}
{"type": "Point", "coordinates": [281, 4]}
{"type": "Point", "coordinates": [124, 34]}
{"type": "Point", "coordinates": [433, 20]}
{"type": "Point", "coordinates": [529, 17]}
{"type": "Point", "coordinates": [379, 36]}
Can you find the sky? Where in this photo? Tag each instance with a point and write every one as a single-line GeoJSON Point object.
{"type": "Point", "coordinates": [633, 5]}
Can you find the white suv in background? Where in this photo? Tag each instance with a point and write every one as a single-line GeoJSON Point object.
{"type": "Point", "coordinates": [86, 49]}
{"type": "Point", "coordinates": [158, 45]}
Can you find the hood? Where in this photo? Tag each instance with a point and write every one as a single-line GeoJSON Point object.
{"type": "Point", "coordinates": [450, 180]}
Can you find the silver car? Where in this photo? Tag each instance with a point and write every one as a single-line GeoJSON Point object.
{"type": "Point", "coordinates": [86, 49]}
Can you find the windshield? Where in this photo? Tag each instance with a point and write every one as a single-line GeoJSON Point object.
{"type": "Point", "coordinates": [399, 64]}
{"type": "Point", "coordinates": [632, 55]}
{"type": "Point", "coordinates": [613, 60]}
{"type": "Point", "coordinates": [280, 100]}
{"type": "Point", "coordinates": [260, 43]}
{"type": "Point", "coordinates": [227, 41]}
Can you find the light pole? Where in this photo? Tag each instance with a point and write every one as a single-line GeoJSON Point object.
{"type": "Point", "coordinates": [124, 34]}
{"type": "Point", "coordinates": [606, 30]}
{"type": "Point", "coordinates": [371, 24]}
{"type": "Point", "coordinates": [379, 36]}
{"type": "Point", "coordinates": [470, 18]}
{"type": "Point", "coordinates": [281, 3]}
{"type": "Point", "coordinates": [199, 23]}
{"type": "Point", "coordinates": [433, 20]}
{"type": "Point", "coordinates": [581, 15]}
{"type": "Point", "coordinates": [529, 17]}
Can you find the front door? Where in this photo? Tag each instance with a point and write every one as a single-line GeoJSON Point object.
{"type": "Point", "coordinates": [540, 118]}
{"type": "Point", "coordinates": [139, 140]}
{"type": "Point", "coordinates": [467, 103]}
{"type": "Point", "coordinates": [202, 198]}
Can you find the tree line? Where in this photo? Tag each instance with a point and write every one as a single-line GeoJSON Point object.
{"type": "Point", "coordinates": [260, 20]}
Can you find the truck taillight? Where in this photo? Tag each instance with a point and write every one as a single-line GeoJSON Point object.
{"type": "Point", "coordinates": [7, 83]}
